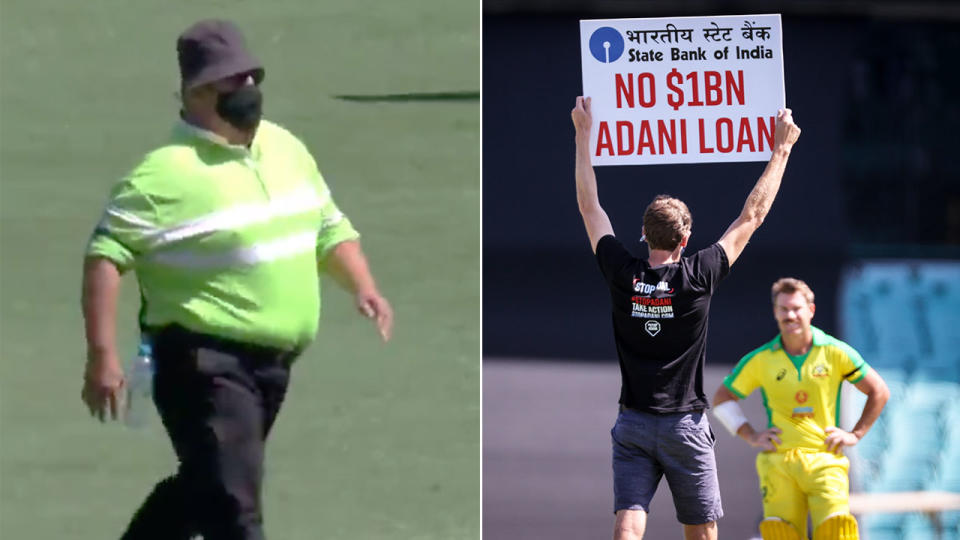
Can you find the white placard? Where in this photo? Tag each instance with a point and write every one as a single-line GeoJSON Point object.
{"type": "Point", "coordinates": [682, 89]}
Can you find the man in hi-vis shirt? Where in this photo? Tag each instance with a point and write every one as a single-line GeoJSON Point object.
{"type": "Point", "coordinates": [660, 307]}
{"type": "Point", "coordinates": [226, 227]}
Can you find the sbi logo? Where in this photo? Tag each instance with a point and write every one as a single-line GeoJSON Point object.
{"type": "Point", "coordinates": [606, 44]}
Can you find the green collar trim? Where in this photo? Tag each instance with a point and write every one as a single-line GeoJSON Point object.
{"type": "Point", "coordinates": [797, 361]}
{"type": "Point", "coordinates": [819, 338]}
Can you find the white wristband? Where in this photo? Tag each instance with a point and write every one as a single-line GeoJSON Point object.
{"type": "Point", "coordinates": [730, 415]}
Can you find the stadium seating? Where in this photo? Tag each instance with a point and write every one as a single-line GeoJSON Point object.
{"type": "Point", "coordinates": [904, 318]}
{"type": "Point", "coordinates": [882, 527]}
{"type": "Point", "coordinates": [919, 527]}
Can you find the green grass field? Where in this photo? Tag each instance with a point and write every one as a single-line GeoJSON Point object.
{"type": "Point", "coordinates": [374, 441]}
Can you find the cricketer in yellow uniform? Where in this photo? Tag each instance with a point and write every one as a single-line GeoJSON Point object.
{"type": "Point", "coordinates": [799, 374]}
{"type": "Point", "coordinates": [802, 398]}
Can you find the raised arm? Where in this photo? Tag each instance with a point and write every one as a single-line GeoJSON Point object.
{"type": "Point", "coordinates": [761, 198]}
{"type": "Point", "coordinates": [594, 218]}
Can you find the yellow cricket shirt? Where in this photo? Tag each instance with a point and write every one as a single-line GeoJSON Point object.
{"type": "Point", "coordinates": [801, 394]}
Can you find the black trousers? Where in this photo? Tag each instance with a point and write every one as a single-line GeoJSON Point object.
{"type": "Point", "coordinates": [218, 400]}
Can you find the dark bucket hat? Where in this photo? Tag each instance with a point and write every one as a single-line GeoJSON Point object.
{"type": "Point", "coordinates": [214, 49]}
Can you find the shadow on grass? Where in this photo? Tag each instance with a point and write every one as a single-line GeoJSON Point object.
{"type": "Point", "coordinates": [473, 95]}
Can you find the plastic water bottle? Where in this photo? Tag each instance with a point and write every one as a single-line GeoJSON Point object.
{"type": "Point", "coordinates": [140, 387]}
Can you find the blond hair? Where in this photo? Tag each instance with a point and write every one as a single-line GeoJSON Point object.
{"type": "Point", "coordinates": [665, 222]}
{"type": "Point", "coordinates": [789, 285]}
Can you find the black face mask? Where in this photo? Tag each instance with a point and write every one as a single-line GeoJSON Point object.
{"type": "Point", "coordinates": [241, 108]}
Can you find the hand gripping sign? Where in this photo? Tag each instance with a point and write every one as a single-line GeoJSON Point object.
{"type": "Point", "coordinates": [683, 89]}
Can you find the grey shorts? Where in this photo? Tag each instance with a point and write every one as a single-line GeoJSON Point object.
{"type": "Point", "coordinates": [648, 446]}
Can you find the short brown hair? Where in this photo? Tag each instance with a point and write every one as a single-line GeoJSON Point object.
{"type": "Point", "coordinates": [789, 285]}
{"type": "Point", "coordinates": [665, 222]}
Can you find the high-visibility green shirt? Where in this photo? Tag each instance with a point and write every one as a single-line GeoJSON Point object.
{"type": "Point", "coordinates": [225, 239]}
{"type": "Point", "coordinates": [801, 394]}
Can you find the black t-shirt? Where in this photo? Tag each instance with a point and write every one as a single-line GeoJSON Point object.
{"type": "Point", "coordinates": [660, 324]}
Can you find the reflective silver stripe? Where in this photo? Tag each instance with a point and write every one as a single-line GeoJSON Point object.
{"type": "Point", "coordinates": [337, 217]}
{"type": "Point", "coordinates": [129, 219]}
{"type": "Point", "coordinates": [300, 201]}
{"type": "Point", "coordinates": [273, 250]}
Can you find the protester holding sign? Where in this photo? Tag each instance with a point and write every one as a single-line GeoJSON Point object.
{"type": "Point", "coordinates": [660, 310]}
{"type": "Point", "coordinates": [682, 89]}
